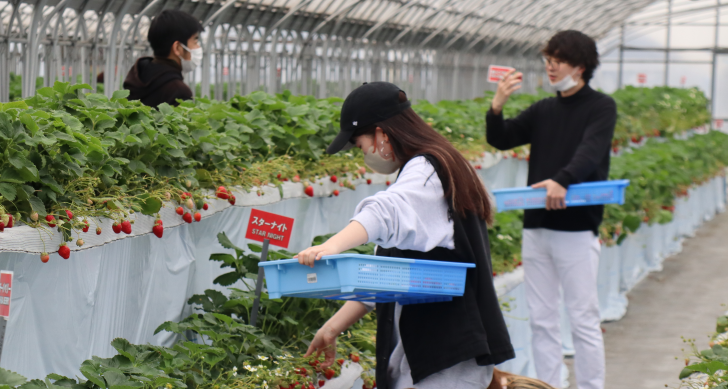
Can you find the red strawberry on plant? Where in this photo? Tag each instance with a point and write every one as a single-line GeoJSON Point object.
{"type": "Point", "coordinates": [116, 227]}
{"type": "Point", "coordinates": [340, 361]}
{"type": "Point", "coordinates": [333, 179]}
{"type": "Point", "coordinates": [205, 206]}
{"type": "Point", "coordinates": [311, 386]}
{"type": "Point", "coordinates": [180, 211]}
{"type": "Point", "coordinates": [388, 183]}
{"type": "Point", "coordinates": [45, 257]}
{"type": "Point", "coordinates": [85, 229]}
{"type": "Point", "coordinates": [158, 230]}
{"type": "Point", "coordinates": [222, 193]}
{"type": "Point", "coordinates": [231, 200]}
{"type": "Point", "coordinates": [336, 192]}
{"type": "Point", "coordinates": [10, 221]}
{"type": "Point", "coordinates": [354, 358]}
{"type": "Point", "coordinates": [126, 227]}
{"type": "Point", "coordinates": [198, 217]}
{"type": "Point", "coordinates": [329, 374]}
{"type": "Point", "coordinates": [50, 219]}
{"type": "Point", "coordinates": [309, 190]}
{"type": "Point", "coordinates": [64, 251]}
{"type": "Point", "coordinates": [98, 230]}
{"type": "Point", "coordinates": [69, 214]}
{"type": "Point", "coordinates": [634, 139]}
{"type": "Point", "coordinates": [321, 383]}
{"type": "Point", "coordinates": [187, 217]}
{"type": "Point", "coordinates": [369, 181]}
{"type": "Point", "coordinates": [2, 226]}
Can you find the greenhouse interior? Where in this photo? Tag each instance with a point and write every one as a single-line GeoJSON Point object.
{"type": "Point", "coordinates": [296, 194]}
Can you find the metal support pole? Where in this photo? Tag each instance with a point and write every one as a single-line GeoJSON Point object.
{"type": "Point", "coordinates": [667, 44]}
{"type": "Point", "coordinates": [3, 325]}
{"type": "Point", "coordinates": [715, 61]}
{"type": "Point", "coordinates": [259, 284]}
{"type": "Point", "coordinates": [621, 58]}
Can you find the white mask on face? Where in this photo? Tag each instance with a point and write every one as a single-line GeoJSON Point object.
{"type": "Point", "coordinates": [377, 162]}
{"type": "Point", "coordinates": [565, 83]}
{"type": "Point", "coordinates": [194, 61]}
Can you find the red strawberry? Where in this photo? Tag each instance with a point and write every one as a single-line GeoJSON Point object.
{"type": "Point", "coordinates": [187, 217]}
{"type": "Point", "coordinates": [309, 190]}
{"type": "Point", "coordinates": [369, 181]}
{"type": "Point", "coordinates": [374, 384]}
{"type": "Point", "coordinates": [329, 374]}
{"type": "Point", "coordinates": [285, 179]}
{"type": "Point", "coordinates": [45, 257]}
{"type": "Point", "coordinates": [278, 176]}
{"type": "Point", "coordinates": [514, 154]}
{"type": "Point", "coordinates": [505, 156]}
{"type": "Point", "coordinates": [198, 217]}
{"type": "Point", "coordinates": [69, 214]}
{"type": "Point", "coordinates": [205, 206]}
{"type": "Point", "coordinates": [310, 386]}
{"type": "Point", "coordinates": [116, 227]}
{"type": "Point", "coordinates": [98, 230]}
{"type": "Point", "coordinates": [85, 229]}
{"type": "Point", "coordinates": [333, 179]}
{"type": "Point", "coordinates": [126, 227]}
{"type": "Point", "coordinates": [528, 157]}
{"type": "Point", "coordinates": [49, 219]}
{"type": "Point", "coordinates": [336, 192]}
{"type": "Point", "coordinates": [158, 230]}
{"type": "Point", "coordinates": [183, 196]}
{"type": "Point", "coordinates": [388, 183]}
{"type": "Point", "coordinates": [231, 200]}
{"type": "Point", "coordinates": [495, 274]}
{"type": "Point", "coordinates": [478, 167]}
{"type": "Point", "coordinates": [180, 210]}
{"type": "Point", "coordinates": [615, 149]}
{"type": "Point", "coordinates": [222, 193]}
{"type": "Point", "coordinates": [340, 361]}
{"type": "Point", "coordinates": [64, 251]}
{"type": "Point", "coordinates": [354, 358]}
{"type": "Point", "coordinates": [10, 221]}
{"type": "Point", "coordinates": [321, 383]}
{"type": "Point", "coordinates": [159, 221]}
{"type": "Point", "coordinates": [2, 226]}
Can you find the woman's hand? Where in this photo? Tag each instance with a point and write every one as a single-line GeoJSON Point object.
{"type": "Point", "coordinates": [310, 255]}
{"type": "Point", "coordinates": [324, 341]}
{"type": "Point", "coordinates": [510, 83]}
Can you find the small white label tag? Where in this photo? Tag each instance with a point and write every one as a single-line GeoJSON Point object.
{"type": "Point", "coordinates": [311, 278]}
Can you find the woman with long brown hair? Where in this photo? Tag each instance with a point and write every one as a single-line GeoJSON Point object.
{"type": "Point", "coordinates": [437, 209]}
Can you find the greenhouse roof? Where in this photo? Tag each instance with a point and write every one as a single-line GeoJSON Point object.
{"type": "Point", "coordinates": [477, 25]}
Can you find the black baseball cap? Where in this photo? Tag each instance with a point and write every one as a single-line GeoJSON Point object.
{"type": "Point", "coordinates": [366, 105]}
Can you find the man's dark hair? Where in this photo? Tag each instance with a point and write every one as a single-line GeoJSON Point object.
{"type": "Point", "coordinates": [171, 26]}
{"type": "Point", "coordinates": [576, 49]}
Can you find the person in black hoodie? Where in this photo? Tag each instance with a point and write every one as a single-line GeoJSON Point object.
{"type": "Point", "coordinates": [437, 209]}
{"type": "Point", "coordinates": [174, 37]}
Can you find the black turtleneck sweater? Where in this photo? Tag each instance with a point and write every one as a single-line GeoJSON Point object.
{"type": "Point", "coordinates": [570, 140]}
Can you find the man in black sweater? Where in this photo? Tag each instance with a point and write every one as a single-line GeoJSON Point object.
{"type": "Point", "coordinates": [570, 137]}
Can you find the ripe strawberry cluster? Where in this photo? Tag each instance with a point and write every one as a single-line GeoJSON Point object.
{"type": "Point", "coordinates": [67, 216]}
{"type": "Point", "coordinates": [307, 376]}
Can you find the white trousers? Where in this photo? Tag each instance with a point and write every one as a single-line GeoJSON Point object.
{"type": "Point", "coordinates": [570, 260]}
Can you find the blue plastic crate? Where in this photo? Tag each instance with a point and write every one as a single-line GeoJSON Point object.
{"type": "Point", "coordinates": [370, 278]}
{"type": "Point", "coordinates": [589, 193]}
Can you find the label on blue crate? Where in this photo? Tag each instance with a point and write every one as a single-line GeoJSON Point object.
{"type": "Point", "coordinates": [311, 278]}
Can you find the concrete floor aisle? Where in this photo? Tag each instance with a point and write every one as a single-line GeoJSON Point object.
{"type": "Point", "coordinates": [682, 300]}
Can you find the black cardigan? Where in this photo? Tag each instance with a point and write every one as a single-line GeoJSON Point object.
{"type": "Point", "coordinates": [437, 336]}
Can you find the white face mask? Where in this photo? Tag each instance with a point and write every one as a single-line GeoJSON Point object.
{"type": "Point", "coordinates": [377, 162]}
{"type": "Point", "coordinates": [565, 83]}
{"type": "Point", "coordinates": [194, 61]}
